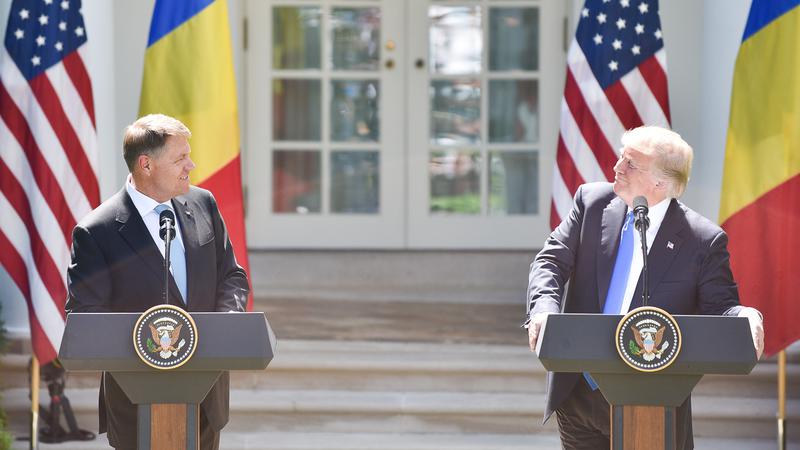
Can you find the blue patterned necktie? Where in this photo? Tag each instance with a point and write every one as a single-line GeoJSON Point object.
{"type": "Point", "coordinates": [622, 270]}
{"type": "Point", "coordinates": [619, 277]}
{"type": "Point", "coordinates": [177, 259]}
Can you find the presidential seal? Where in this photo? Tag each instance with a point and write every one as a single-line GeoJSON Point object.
{"type": "Point", "coordinates": [648, 339]}
{"type": "Point", "coordinates": [165, 337]}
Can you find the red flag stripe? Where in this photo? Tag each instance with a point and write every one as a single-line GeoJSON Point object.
{"type": "Point", "coordinates": [656, 79]}
{"type": "Point", "coordinates": [76, 155]}
{"type": "Point", "coordinates": [15, 266]}
{"type": "Point", "coordinates": [51, 276]}
{"type": "Point", "coordinates": [569, 173]}
{"type": "Point", "coordinates": [73, 64]}
{"type": "Point", "coordinates": [623, 106]}
{"type": "Point", "coordinates": [554, 217]}
{"type": "Point", "coordinates": [45, 180]}
{"type": "Point", "coordinates": [605, 155]}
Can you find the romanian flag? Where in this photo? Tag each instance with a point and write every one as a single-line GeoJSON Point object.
{"type": "Point", "coordinates": [760, 205]}
{"type": "Point", "coordinates": [188, 74]}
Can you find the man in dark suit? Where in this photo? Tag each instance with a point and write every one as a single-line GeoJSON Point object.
{"type": "Point", "coordinates": [688, 266]}
{"type": "Point", "coordinates": [118, 260]}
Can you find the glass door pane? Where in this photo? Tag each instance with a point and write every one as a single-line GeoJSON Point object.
{"type": "Point", "coordinates": [477, 171]}
{"type": "Point", "coordinates": [330, 155]}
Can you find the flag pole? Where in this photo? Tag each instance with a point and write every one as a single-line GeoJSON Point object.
{"type": "Point", "coordinates": [34, 404]}
{"type": "Point", "coordinates": [782, 400]}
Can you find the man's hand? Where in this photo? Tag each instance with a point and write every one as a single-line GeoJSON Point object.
{"type": "Point", "coordinates": [756, 328]}
{"type": "Point", "coordinates": [533, 328]}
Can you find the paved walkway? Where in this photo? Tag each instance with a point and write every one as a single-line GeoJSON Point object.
{"type": "Point", "coordinates": [395, 321]}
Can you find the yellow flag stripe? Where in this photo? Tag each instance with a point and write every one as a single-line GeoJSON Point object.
{"type": "Point", "coordinates": [189, 75]}
{"type": "Point", "coordinates": [763, 146]}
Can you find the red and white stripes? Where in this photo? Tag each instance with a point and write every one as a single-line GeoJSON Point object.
{"type": "Point", "coordinates": [593, 120]}
{"type": "Point", "coordinates": [48, 181]}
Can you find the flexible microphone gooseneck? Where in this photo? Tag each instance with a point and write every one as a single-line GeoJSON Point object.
{"type": "Point", "coordinates": [642, 224]}
{"type": "Point", "coordinates": [166, 230]}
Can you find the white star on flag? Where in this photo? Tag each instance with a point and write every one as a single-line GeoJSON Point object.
{"type": "Point", "coordinates": [657, 34]}
{"type": "Point", "coordinates": [636, 49]}
{"type": "Point", "coordinates": [598, 39]}
{"type": "Point", "coordinates": [36, 60]}
{"type": "Point", "coordinates": [19, 34]}
{"type": "Point", "coordinates": [43, 20]}
{"type": "Point", "coordinates": [59, 46]}
{"type": "Point", "coordinates": [613, 65]}
{"type": "Point", "coordinates": [62, 26]}
{"type": "Point", "coordinates": [65, 4]}
{"type": "Point", "coordinates": [40, 40]}
{"type": "Point", "coordinates": [79, 31]}
{"type": "Point", "coordinates": [643, 7]}
{"type": "Point", "coordinates": [617, 44]}
{"type": "Point", "coordinates": [620, 23]}
{"type": "Point", "coordinates": [601, 18]}
{"type": "Point", "coordinates": [23, 14]}
{"type": "Point", "coordinates": [639, 28]}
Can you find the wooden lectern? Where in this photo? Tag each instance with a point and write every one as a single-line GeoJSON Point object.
{"type": "Point", "coordinates": [643, 404]}
{"type": "Point", "coordinates": [168, 400]}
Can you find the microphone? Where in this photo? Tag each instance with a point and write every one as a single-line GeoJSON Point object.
{"type": "Point", "coordinates": [166, 231]}
{"type": "Point", "coordinates": [640, 211]}
{"type": "Point", "coordinates": [166, 221]}
{"type": "Point", "coordinates": [642, 223]}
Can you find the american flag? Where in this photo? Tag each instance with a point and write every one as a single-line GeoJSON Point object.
{"type": "Point", "coordinates": [48, 154]}
{"type": "Point", "coordinates": [616, 80]}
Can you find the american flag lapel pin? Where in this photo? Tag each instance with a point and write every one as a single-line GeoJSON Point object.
{"type": "Point", "coordinates": [670, 245]}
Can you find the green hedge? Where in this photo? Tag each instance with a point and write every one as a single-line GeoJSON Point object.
{"type": "Point", "coordinates": [5, 438]}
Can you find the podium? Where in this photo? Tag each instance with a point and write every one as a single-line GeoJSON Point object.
{"type": "Point", "coordinates": [643, 403]}
{"type": "Point", "coordinates": [168, 401]}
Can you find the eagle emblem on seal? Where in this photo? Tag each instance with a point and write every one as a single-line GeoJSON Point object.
{"type": "Point", "coordinates": [165, 340]}
{"type": "Point", "coordinates": [648, 340]}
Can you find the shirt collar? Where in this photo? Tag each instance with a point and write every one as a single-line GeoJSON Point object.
{"type": "Point", "coordinates": [656, 213]}
{"type": "Point", "coordinates": [144, 204]}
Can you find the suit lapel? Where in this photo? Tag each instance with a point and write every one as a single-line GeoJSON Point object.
{"type": "Point", "coordinates": [135, 233]}
{"type": "Point", "coordinates": [613, 219]}
{"type": "Point", "coordinates": [191, 242]}
{"type": "Point", "coordinates": [663, 251]}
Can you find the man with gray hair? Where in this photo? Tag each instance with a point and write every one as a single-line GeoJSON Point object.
{"type": "Point", "coordinates": [688, 264]}
{"type": "Point", "coordinates": [118, 260]}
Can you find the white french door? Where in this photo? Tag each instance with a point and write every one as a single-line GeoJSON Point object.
{"type": "Point", "coordinates": [401, 124]}
{"type": "Point", "coordinates": [325, 138]}
{"type": "Point", "coordinates": [484, 98]}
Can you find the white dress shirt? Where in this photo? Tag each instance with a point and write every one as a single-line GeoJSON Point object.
{"type": "Point", "coordinates": [656, 216]}
{"type": "Point", "coordinates": [146, 207]}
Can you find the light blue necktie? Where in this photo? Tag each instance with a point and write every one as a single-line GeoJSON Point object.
{"type": "Point", "coordinates": [177, 258]}
{"type": "Point", "coordinates": [619, 278]}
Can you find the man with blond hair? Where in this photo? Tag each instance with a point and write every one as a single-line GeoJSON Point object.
{"type": "Point", "coordinates": [118, 260]}
{"type": "Point", "coordinates": [596, 249]}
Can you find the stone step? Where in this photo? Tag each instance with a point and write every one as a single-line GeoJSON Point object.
{"type": "Point", "coordinates": [483, 276]}
{"type": "Point", "coordinates": [428, 412]}
{"type": "Point", "coordinates": [353, 365]}
{"type": "Point", "coordinates": [400, 441]}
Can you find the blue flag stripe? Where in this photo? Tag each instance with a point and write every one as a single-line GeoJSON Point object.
{"type": "Point", "coordinates": [170, 14]}
{"type": "Point", "coordinates": [762, 12]}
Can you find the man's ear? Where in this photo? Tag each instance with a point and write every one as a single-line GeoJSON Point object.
{"type": "Point", "coordinates": [145, 164]}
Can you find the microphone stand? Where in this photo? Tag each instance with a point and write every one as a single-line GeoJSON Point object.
{"type": "Point", "coordinates": [167, 242]}
{"type": "Point", "coordinates": [642, 224]}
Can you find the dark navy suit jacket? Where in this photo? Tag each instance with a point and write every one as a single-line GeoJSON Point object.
{"type": "Point", "coordinates": [116, 267]}
{"type": "Point", "coordinates": [688, 265]}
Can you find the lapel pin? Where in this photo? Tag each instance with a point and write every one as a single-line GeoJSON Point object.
{"type": "Point", "coordinates": [670, 245]}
